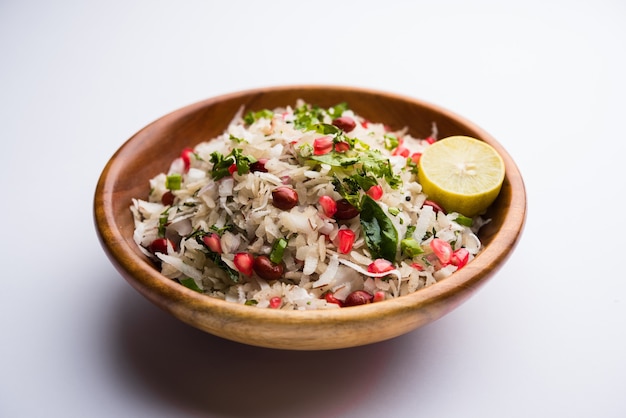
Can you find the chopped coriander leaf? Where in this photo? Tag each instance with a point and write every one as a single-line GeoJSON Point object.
{"type": "Point", "coordinates": [194, 234]}
{"type": "Point", "coordinates": [163, 221]}
{"type": "Point", "coordinates": [364, 181]}
{"type": "Point", "coordinates": [394, 211]}
{"type": "Point", "coordinates": [326, 129]}
{"type": "Point", "coordinates": [220, 231]}
{"type": "Point", "coordinates": [371, 163]}
{"type": "Point", "coordinates": [411, 165]}
{"type": "Point", "coordinates": [357, 144]}
{"type": "Point", "coordinates": [335, 159]}
{"type": "Point", "coordinates": [215, 257]}
{"type": "Point", "coordinates": [222, 164]}
{"type": "Point", "coordinates": [307, 116]}
{"type": "Point", "coordinates": [375, 163]}
{"type": "Point", "coordinates": [391, 141]}
{"type": "Point", "coordinates": [349, 189]}
{"type": "Point", "coordinates": [251, 302]}
{"type": "Point", "coordinates": [464, 220]}
{"type": "Point", "coordinates": [236, 140]}
{"type": "Point", "coordinates": [337, 110]}
{"type": "Point", "coordinates": [252, 117]}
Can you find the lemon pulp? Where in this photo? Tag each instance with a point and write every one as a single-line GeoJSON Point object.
{"type": "Point", "coordinates": [462, 174]}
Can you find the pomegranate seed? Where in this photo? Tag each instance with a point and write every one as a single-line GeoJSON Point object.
{"type": "Point", "coordinates": [460, 257]}
{"type": "Point", "coordinates": [276, 302]}
{"type": "Point", "coordinates": [434, 205]}
{"type": "Point", "coordinates": [329, 205]}
{"type": "Point", "coordinates": [415, 157]}
{"type": "Point", "coordinates": [431, 140]}
{"type": "Point", "coordinates": [379, 296]}
{"type": "Point", "coordinates": [214, 242]}
{"type": "Point", "coordinates": [342, 146]}
{"type": "Point", "coordinates": [186, 157]}
{"type": "Point", "coordinates": [345, 123]}
{"type": "Point", "coordinates": [380, 265]}
{"type": "Point", "coordinates": [346, 240]}
{"type": "Point", "coordinates": [232, 169]}
{"type": "Point", "coordinates": [417, 266]}
{"type": "Point", "coordinates": [168, 198]}
{"type": "Point", "coordinates": [259, 166]}
{"type": "Point", "coordinates": [401, 150]}
{"type": "Point", "coordinates": [358, 297]}
{"type": "Point", "coordinates": [322, 145]}
{"type": "Point", "coordinates": [375, 192]}
{"type": "Point", "coordinates": [442, 249]}
{"type": "Point", "coordinates": [243, 263]}
{"type": "Point", "coordinates": [365, 123]}
{"type": "Point", "coordinates": [160, 245]}
{"type": "Point", "coordinates": [330, 298]}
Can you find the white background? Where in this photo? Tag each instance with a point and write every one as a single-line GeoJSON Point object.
{"type": "Point", "coordinates": [545, 338]}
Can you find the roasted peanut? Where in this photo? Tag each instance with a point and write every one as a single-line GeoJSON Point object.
{"type": "Point", "coordinates": [266, 269]}
{"type": "Point", "coordinates": [285, 197]}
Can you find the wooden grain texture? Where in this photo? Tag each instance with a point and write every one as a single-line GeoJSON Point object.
{"type": "Point", "coordinates": [151, 150]}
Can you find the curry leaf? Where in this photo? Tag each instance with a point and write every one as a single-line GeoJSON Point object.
{"type": "Point", "coordinates": [381, 236]}
{"type": "Point", "coordinates": [190, 283]}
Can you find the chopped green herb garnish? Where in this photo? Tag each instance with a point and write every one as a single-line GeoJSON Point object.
{"type": "Point", "coordinates": [363, 170]}
{"type": "Point", "coordinates": [216, 258]}
{"type": "Point", "coordinates": [236, 140]}
{"type": "Point", "coordinates": [307, 117]}
{"type": "Point", "coordinates": [222, 164]}
{"type": "Point", "coordinates": [335, 159]}
{"type": "Point", "coordinates": [349, 189]}
{"type": "Point", "coordinates": [163, 221]}
{"type": "Point", "coordinates": [378, 165]}
{"type": "Point", "coordinates": [464, 220]}
{"type": "Point", "coordinates": [219, 231]}
{"type": "Point", "coordinates": [278, 249]}
{"type": "Point", "coordinates": [337, 110]}
{"type": "Point", "coordinates": [326, 129]}
{"type": "Point", "coordinates": [252, 117]}
{"type": "Point", "coordinates": [411, 165]}
{"type": "Point", "coordinates": [391, 141]}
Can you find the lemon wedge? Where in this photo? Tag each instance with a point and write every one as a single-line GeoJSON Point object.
{"type": "Point", "coordinates": [462, 174]}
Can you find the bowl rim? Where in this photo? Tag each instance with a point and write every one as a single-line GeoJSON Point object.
{"type": "Point", "coordinates": [146, 277]}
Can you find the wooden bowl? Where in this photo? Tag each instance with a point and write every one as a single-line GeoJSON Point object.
{"type": "Point", "coordinates": [150, 152]}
